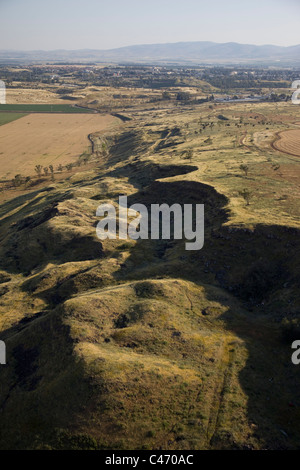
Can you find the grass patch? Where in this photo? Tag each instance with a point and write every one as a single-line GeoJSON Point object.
{"type": "Point", "coordinates": [5, 118]}
{"type": "Point", "coordinates": [43, 108]}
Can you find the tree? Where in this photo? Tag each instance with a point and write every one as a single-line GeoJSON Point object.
{"type": "Point", "coordinates": [52, 172]}
{"type": "Point", "coordinates": [189, 154]}
{"type": "Point", "coordinates": [247, 195]}
{"type": "Point", "coordinates": [27, 180]}
{"type": "Point", "coordinates": [38, 169]}
{"type": "Point", "coordinates": [244, 168]}
{"type": "Point", "coordinates": [17, 181]}
{"type": "Point", "coordinates": [183, 96]}
{"type": "Point", "coordinates": [60, 167]}
{"type": "Point", "coordinates": [46, 170]}
{"type": "Point", "coordinates": [166, 95]}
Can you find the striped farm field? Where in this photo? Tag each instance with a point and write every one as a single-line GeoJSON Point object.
{"type": "Point", "coordinates": [288, 142]}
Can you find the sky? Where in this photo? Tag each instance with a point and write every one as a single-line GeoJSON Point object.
{"type": "Point", "coordinates": [97, 24]}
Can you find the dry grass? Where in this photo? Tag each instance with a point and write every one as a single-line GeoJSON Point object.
{"type": "Point", "coordinates": [142, 345]}
{"type": "Point", "coordinates": [33, 96]}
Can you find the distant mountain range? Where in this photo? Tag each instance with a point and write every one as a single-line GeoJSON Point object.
{"type": "Point", "coordinates": [174, 53]}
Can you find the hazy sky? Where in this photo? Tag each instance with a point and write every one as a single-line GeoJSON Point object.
{"type": "Point", "coordinates": [97, 24]}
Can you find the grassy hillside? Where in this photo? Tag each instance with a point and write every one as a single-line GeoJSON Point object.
{"type": "Point", "coordinates": [144, 345]}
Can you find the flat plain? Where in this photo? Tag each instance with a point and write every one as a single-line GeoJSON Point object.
{"type": "Point", "coordinates": [44, 139]}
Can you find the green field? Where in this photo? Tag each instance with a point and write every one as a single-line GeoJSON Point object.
{"type": "Point", "coordinates": [5, 118]}
{"type": "Point", "coordinates": [43, 108]}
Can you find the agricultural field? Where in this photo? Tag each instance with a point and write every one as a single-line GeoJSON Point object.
{"type": "Point", "coordinates": [288, 142]}
{"type": "Point", "coordinates": [44, 139]}
{"type": "Point", "coordinates": [5, 118]}
{"type": "Point", "coordinates": [44, 108]}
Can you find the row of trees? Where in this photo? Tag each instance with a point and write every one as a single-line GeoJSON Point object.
{"type": "Point", "coordinates": [40, 169]}
{"type": "Point", "coordinates": [49, 170]}
{"type": "Point", "coordinates": [46, 170]}
{"type": "Point", "coordinates": [101, 149]}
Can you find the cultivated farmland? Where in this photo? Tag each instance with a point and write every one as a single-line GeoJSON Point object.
{"type": "Point", "coordinates": [289, 142]}
{"type": "Point", "coordinates": [43, 108]}
{"type": "Point", "coordinates": [46, 139]}
{"type": "Point", "coordinates": [5, 118]}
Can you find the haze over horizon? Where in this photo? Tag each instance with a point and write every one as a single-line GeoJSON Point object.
{"type": "Point", "coordinates": [72, 25]}
{"type": "Point", "coordinates": [146, 44]}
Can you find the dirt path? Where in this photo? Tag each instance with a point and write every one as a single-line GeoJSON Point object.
{"type": "Point", "coordinates": [225, 358]}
